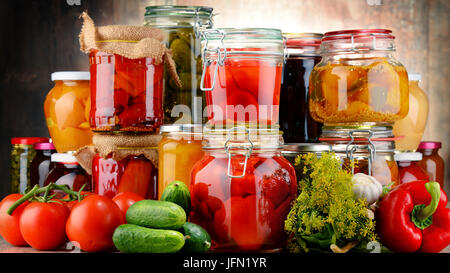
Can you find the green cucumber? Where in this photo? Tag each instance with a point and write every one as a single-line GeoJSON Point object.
{"type": "Point", "coordinates": [156, 214]}
{"type": "Point", "coordinates": [178, 193]}
{"type": "Point", "coordinates": [197, 238]}
{"type": "Point", "coordinates": [130, 238]}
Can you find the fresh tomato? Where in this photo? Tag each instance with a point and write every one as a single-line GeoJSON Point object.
{"type": "Point", "coordinates": [10, 224]}
{"type": "Point", "coordinates": [43, 224]}
{"type": "Point", "coordinates": [92, 223]}
{"type": "Point", "coordinates": [71, 204]}
{"type": "Point", "coordinates": [125, 199]}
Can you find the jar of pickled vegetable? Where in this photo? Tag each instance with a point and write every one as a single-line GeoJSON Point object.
{"type": "Point", "coordinates": [22, 154]}
{"type": "Point", "coordinates": [410, 168]}
{"type": "Point", "coordinates": [302, 55]}
{"type": "Point", "coordinates": [181, 26]}
{"type": "Point", "coordinates": [292, 151]}
{"type": "Point", "coordinates": [432, 162]}
{"type": "Point", "coordinates": [365, 149]}
{"type": "Point", "coordinates": [241, 190]}
{"type": "Point", "coordinates": [40, 166]}
{"type": "Point", "coordinates": [242, 76]}
{"type": "Point", "coordinates": [180, 148]}
{"type": "Point", "coordinates": [66, 109]}
{"type": "Point", "coordinates": [358, 79]}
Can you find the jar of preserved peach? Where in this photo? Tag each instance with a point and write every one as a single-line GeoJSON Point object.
{"type": "Point", "coordinates": [358, 79]}
{"type": "Point", "coordinates": [179, 149]}
{"type": "Point", "coordinates": [242, 188]}
{"type": "Point", "coordinates": [66, 109]}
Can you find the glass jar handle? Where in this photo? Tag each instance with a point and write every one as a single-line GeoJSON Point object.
{"type": "Point", "coordinates": [228, 148]}
{"type": "Point", "coordinates": [206, 62]}
{"type": "Point", "coordinates": [370, 147]}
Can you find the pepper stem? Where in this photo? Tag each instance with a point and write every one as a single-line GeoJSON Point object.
{"type": "Point", "coordinates": [421, 215]}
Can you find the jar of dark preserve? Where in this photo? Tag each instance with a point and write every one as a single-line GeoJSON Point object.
{"type": "Point", "coordinates": [302, 54]}
{"type": "Point", "coordinates": [409, 167]}
{"type": "Point", "coordinates": [432, 162]}
{"type": "Point", "coordinates": [40, 166]}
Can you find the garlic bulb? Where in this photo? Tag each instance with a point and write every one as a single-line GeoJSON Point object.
{"type": "Point", "coordinates": [366, 187]}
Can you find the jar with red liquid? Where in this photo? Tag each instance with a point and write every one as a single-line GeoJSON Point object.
{"type": "Point", "coordinates": [409, 167]}
{"type": "Point", "coordinates": [242, 189]}
{"type": "Point", "coordinates": [302, 55]}
{"type": "Point", "coordinates": [242, 70]}
{"type": "Point", "coordinates": [432, 162]}
{"type": "Point", "coordinates": [126, 94]}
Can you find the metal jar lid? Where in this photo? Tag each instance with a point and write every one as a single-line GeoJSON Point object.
{"type": "Point", "coordinates": [181, 128]}
{"type": "Point", "coordinates": [306, 148]}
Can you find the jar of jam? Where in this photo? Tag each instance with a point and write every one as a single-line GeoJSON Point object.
{"type": "Point", "coordinates": [126, 94]}
{"type": "Point", "coordinates": [432, 162]}
{"type": "Point", "coordinates": [181, 26]}
{"type": "Point", "coordinates": [411, 128]}
{"type": "Point", "coordinates": [365, 149]}
{"type": "Point", "coordinates": [242, 76]}
{"type": "Point", "coordinates": [358, 79]}
{"type": "Point", "coordinates": [22, 154]}
{"type": "Point", "coordinates": [292, 151]}
{"type": "Point", "coordinates": [410, 168]}
{"type": "Point", "coordinates": [242, 188]}
{"type": "Point", "coordinates": [180, 148]}
{"type": "Point", "coordinates": [302, 55]}
{"type": "Point", "coordinates": [40, 166]}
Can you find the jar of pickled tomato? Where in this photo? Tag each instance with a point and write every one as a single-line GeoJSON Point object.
{"type": "Point", "coordinates": [242, 71]}
{"type": "Point", "coordinates": [242, 188]}
{"type": "Point", "coordinates": [432, 162]}
{"type": "Point", "coordinates": [181, 26]}
{"type": "Point", "coordinates": [66, 109]}
{"type": "Point", "coordinates": [126, 94]}
{"type": "Point", "coordinates": [302, 55]}
{"type": "Point", "coordinates": [365, 149]}
{"type": "Point", "coordinates": [179, 149]}
{"type": "Point", "coordinates": [358, 79]}
{"type": "Point", "coordinates": [411, 128]}
{"type": "Point", "coordinates": [410, 168]}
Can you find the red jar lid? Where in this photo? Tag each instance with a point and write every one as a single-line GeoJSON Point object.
{"type": "Point", "coordinates": [358, 33]}
{"type": "Point", "coordinates": [44, 146]}
{"type": "Point", "coordinates": [28, 140]}
{"type": "Point", "coordinates": [430, 145]}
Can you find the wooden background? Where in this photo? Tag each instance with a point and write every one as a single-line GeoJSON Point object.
{"type": "Point", "coordinates": [39, 37]}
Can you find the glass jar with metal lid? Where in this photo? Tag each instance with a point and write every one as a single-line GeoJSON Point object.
{"type": "Point", "coordinates": [242, 71]}
{"type": "Point", "coordinates": [181, 26]}
{"type": "Point", "coordinates": [179, 149]}
{"type": "Point", "coordinates": [365, 149]}
{"type": "Point", "coordinates": [241, 190]}
{"type": "Point", "coordinates": [358, 79]}
{"type": "Point", "coordinates": [293, 150]}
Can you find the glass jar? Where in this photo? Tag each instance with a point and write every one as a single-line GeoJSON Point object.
{"type": "Point", "coordinates": [411, 128]}
{"type": "Point", "coordinates": [132, 174]}
{"type": "Point", "coordinates": [126, 94]}
{"type": "Point", "coordinates": [365, 149]}
{"type": "Point", "coordinates": [40, 166]}
{"type": "Point", "coordinates": [302, 55]}
{"type": "Point", "coordinates": [181, 26]}
{"type": "Point", "coordinates": [179, 149]}
{"type": "Point", "coordinates": [66, 109]}
{"type": "Point", "coordinates": [292, 151]}
{"type": "Point", "coordinates": [22, 153]}
{"type": "Point", "coordinates": [65, 170]}
{"type": "Point", "coordinates": [409, 167]}
{"type": "Point", "coordinates": [242, 76]}
{"type": "Point", "coordinates": [358, 79]}
{"type": "Point", "coordinates": [241, 190]}
{"type": "Point", "coordinates": [432, 162]}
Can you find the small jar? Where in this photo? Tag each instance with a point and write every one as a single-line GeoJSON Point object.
{"type": "Point", "coordinates": [358, 79]}
{"type": "Point", "coordinates": [66, 109]}
{"type": "Point", "coordinates": [411, 128]}
{"type": "Point", "coordinates": [242, 76]}
{"type": "Point", "coordinates": [40, 166]}
{"type": "Point", "coordinates": [365, 149]}
{"type": "Point", "coordinates": [126, 94]}
{"type": "Point", "coordinates": [242, 189]}
{"type": "Point", "coordinates": [181, 26]}
{"type": "Point", "coordinates": [410, 168]}
{"type": "Point", "coordinates": [432, 162]}
{"type": "Point", "coordinates": [179, 149]}
{"type": "Point", "coordinates": [302, 55]}
{"type": "Point", "coordinates": [22, 154]}
{"type": "Point", "coordinates": [292, 151]}
{"type": "Point", "coordinates": [65, 170]}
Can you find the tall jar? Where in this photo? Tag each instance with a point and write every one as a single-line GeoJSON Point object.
{"type": "Point", "coordinates": [242, 76]}
{"type": "Point", "coordinates": [179, 149]}
{"type": "Point", "coordinates": [432, 162]}
{"type": "Point", "coordinates": [181, 26]}
{"type": "Point", "coordinates": [302, 55]}
{"type": "Point", "coordinates": [242, 189]}
{"type": "Point", "coordinates": [358, 79]}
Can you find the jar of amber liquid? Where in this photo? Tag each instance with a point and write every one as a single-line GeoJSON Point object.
{"type": "Point", "coordinates": [358, 79]}
{"type": "Point", "coordinates": [179, 149]}
{"type": "Point", "coordinates": [432, 162]}
{"type": "Point", "coordinates": [66, 109]}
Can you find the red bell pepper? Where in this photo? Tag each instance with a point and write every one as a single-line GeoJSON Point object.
{"type": "Point", "coordinates": [413, 218]}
